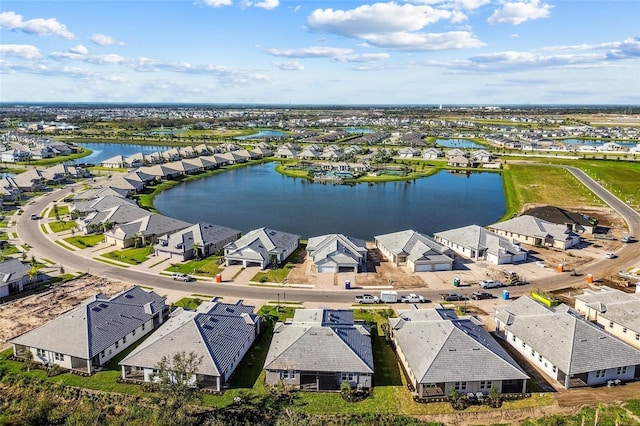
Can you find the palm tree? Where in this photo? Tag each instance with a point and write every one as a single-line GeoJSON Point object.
{"type": "Point", "coordinates": [196, 250]}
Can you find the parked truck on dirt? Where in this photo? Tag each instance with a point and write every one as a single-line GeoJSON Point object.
{"type": "Point", "coordinates": [367, 299]}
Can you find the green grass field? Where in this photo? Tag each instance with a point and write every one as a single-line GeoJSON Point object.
{"type": "Point", "coordinates": [209, 266]}
{"type": "Point", "coordinates": [61, 226]}
{"type": "Point", "coordinates": [132, 256]}
{"type": "Point", "coordinates": [84, 241]}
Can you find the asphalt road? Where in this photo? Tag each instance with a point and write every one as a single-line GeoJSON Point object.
{"type": "Point", "coordinates": [29, 232]}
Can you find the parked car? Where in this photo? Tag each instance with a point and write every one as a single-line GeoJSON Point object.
{"type": "Point", "coordinates": [179, 276]}
{"type": "Point", "coordinates": [453, 296]}
{"type": "Point", "coordinates": [367, 299]}
{"type": "Point", "coordinates": [610, 255]}
{"type": "Point", "coordinates": [480, 295]}
{"type": "Point", "coordinates": [490, 284]}
{"type": "Point", "coordinates": [413, 298]}
{"type": "Point", "coordinates": [34, 216]}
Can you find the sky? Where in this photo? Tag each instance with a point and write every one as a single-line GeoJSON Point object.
{"type": "Point", "coordinates": [336, 52]}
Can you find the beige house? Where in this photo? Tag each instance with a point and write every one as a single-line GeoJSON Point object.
{"type": "Point", "coordinates": [616, 312]}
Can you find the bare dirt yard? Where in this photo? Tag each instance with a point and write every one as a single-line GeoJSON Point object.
{"type": "Point", "coordinates": [24, 314]}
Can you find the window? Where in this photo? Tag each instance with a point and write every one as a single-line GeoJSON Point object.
{"type": "Point", "coordinates": [600, 374]}
{"type": "Point", "coordinates": [637, 336]}
{"type": "Point", "coordinates": [485, 384]}
{"type": "Point", "coordinates": [347, 377]}
{"type": "Point", "coordinates": [540, 358]}
{"type": "Point", "coordinates": [533, 353]}
{"type": "Point", "coordinates": [524, 345]}
{"type": "Point", "coordinates": [460, 386]}
{"type": "Point", "coordinates": [124, 340]}
{"type": "Point", "coordinates": [102, 354]}
{"type": "Point", "coordinates": [133, 333]}
{"type": "Point", "coordinates": [117, 344]}
{"type": "Point", "coordinates": [59, 356]}
{"type": "Point", "coordinates": [288, 374]}
{"type": "Point", "coordinates": [554, 369]}
{"type": "Point", "coordinates": [624, 329]}
{"type": "Point", "coordinates": [513, 337]}
{"type": "Point", "coordinates": [143, 325]}
{"type": "Point", "coordinates": [610, 324]}
{"type": "Point", "coordinates": [41, 353]}
{"type": "Point", "coordinates": [621, 370]}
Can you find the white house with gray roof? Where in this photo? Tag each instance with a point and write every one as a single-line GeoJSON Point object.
{"type": "Point", "coordinates": [615, 311]}
{"type": "Point", "coordinates": [441, 351]}
{"type": "Point", "coordinates": [143, 231]}
{"type": "Point", "coordinates": [203, 238]}
{"type": "Point", "coordinates": [220, 334]}
{"type": "Point", "coordinates": [261, 247]}
{"type": "Point", "coordinates": [89, 336]}
{"type": "Point", "coordinates": [14, 276]}
{"type": "Point", "coordinates": [478, 243]}
{"type": "Point", "coordinates": [536, 232]}
{"type": "Point", "coordinates": [417, 251]}
{"type": "Point", "coordinates": [564, 346]}
{"type": "Point", "coordinates": [337, 253]}
{"type": "Point", "coordinates": [319, 349]}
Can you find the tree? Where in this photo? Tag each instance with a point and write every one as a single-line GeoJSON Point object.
{"type": "Point", "coordinates": [32, 273]}
{"type": "Point", "coordinates": [196, 250]}
{"type": "Point", "coordinates": [178, 385]}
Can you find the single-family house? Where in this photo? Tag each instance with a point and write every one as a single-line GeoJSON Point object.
{"type": "Point", "coordinates": [536, 232]}
{"type": "Point", "coordinates": [409, 152]}
{"type": "Point", "coordinates": [440, 351]}
{"type": "Point", "coordinates": [417, 251]}
{"type": "Point", "coordinates": [116, 162]}
{"type": "Point", "coordinates": [138, 159]}
{"type": "Point", "coordinates": [564, 346]}
{"type": "Point", "coordinates": [432, 154]}
{"type": "Point", "coordinates": [482, 156]}
{"type": "Point", "coordinates": [309, 153]}
{"type": "Point", "coordinates": [14, 155]}
{"type": "Point", "coordinates": [89, 336]}
{"type": "Point", "coordinates": [142, 231]}
{"type": "Point", "coordinates": [199, 240]}
{"type": "Point", "coordinates": [172, 154]}
{"type": "Point", "coordinates": [577, 222]}
{"type": "Point", "coordinates": [615, 311]}
{"type": "Point", "coordinates": [262, 152]}
{"type": "Point", "coordinates": [337, 253]}
{"type": "Point", "coordinates": [459, 161]}
{"type": "Point", "coordinates": [15, 276]}
{"type": "Point", "coordinates": [87, 203]}
{"type": "Point", "coordinates": [160, 171]}
{"type": "Point", "coordinates": [318, 350]}
{"type": "Point", "coordinates": [99, 221]}
{"type": "Point", "coordinates": [456, 152]}
{"type": "Point", "coordinates": [29, 181]}
{"type": "Point", "coordinates": [478, 243]}
{"type": "Point", "coordinates": [9, 190]}
{"type": "Point", "coordinates": [286, 152]}
{"type": "Point", "coordinates": [261, 247]}
{"type": "Point", "coordinates": [219, 334]}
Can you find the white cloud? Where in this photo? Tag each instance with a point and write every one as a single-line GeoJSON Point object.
{"type": "Point", "coordinates": [454, 4]}
{"type": "Point", "coordinates": [266, 4]}
{"type": "Point", "coordinates": [24, 51]}
{"type": "Point", "coordinates": [289, 66]}
{"type": "Point", "coordinates": [218, 3]}
{"type": "Point", "coordinates": [425, 41]}
{"type": "Point", "coordinates": [79, 50]}
{"type": "Point", "coordinates": [518, 12]}
{"type": "Point", "coordinates": [45, 27]}
{"type": "Point", "coordinates": [366, 57]}
{"type": "Point", "coordinates": [311, 52]}
{"type": "Point", "coordinates": [103, 39]}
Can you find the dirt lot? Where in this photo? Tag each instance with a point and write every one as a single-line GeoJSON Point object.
{"type": "Point", "coordinates": [24, 314]}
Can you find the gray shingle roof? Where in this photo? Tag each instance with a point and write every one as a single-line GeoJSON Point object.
{"type": "Point", "coordinates": [217, 332]}
{"type": "Point", "coordinates": [615, 305]}
{"type": "Point", "coordinates": [563, 337]}
{"type": "Point", "coordinates": [262, 241]}
{"type": "Point", "coordinates": [321, 340]}
{"type": "Point", "coordinates": [202, 233]}
{"type": "Point", "coordinates": [413, 244]}
{"type": "Point", "coordinates": [95, 325]}
{"type": "Point", "coordinates": [532, 226]}
{"type": "Point", "coordinates": [12, 269]}
{"type": "Point", "coordinates": [440, 347]}
{"type": "Point", "coordinates": [478, 238]}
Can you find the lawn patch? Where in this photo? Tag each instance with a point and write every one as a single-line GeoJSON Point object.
{"type": "Point", "coordinates": [84, 241]}
{"type": "Point", "coordinates": [61, 226]}
{"type": "Point", "coordinates": [208, 267]}
{"type": "Point", "coordinates": [132, 256]}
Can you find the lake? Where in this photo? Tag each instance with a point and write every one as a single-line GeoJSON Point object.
{"type": "Point", "coordinates": [103, 151]}
{"type": "Point", "coordinates": [596, 142]}
{"type": "Point", "coordinates": [262, 134]}
{"type": "Point", "coordinates": [458, 143]}
{"type": "Point", "coordinates": [257, 196]}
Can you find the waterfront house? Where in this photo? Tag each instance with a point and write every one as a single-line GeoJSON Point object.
{"type": "Point", "coordinates": [309, 153]}
{"type": "Point", "coordinates": [261, 247]}
{"type": "Point", "coordinates": [142, 231]}
{"type": "Point", "coordinates": [440, 351]}
{"type": "Point", "coordinates": [285, 152]}
{"type": "Point", "coordinates": [87, 337]}
{"type": "Point", "coordinates": [183, 167]}
{"type": "Point", "coordinates": [318, 350]}
{"type": "Point", "coordinates": [204, 238]}
{"type": "Point", "coordinates": [99, 221]}
{"type": "Point", "coordinates": [85, 204]}
{"type": "Point", "coordinates": [536, 232]}
{"type": "Point", "coordinates": [337, 253]}
{"type": "Point", "coordinates": [477, 243]}
{"type": "Point", "coordinates": [459, 161]}
{"type": "Point", "coordinates": [455, 152]}
{"type": "Point", "coordinates": [116, 162]}
{"type": "Point", "coordinates": [219, 334]}
{"type": "Point", "coordinates": [417, 251]}
{"type": "Point", "coordinates": [160, 171]}
{"type": "Point", "coordinates": [617, 312]}
{"type": "Point", "coordinates": [564, 346]}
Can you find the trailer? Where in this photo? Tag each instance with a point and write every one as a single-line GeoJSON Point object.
{"type": "Point", "coordinates": [387, 296]}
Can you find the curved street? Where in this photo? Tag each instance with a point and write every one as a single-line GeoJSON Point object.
{"type": "Point", "coordinates": [43, 246]}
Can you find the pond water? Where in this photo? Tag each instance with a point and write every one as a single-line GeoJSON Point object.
{"type": "Point", "coordinates": [263, 134]}
{"type": "Point", "coordinates": [257, 196]}
{"type": "Point", "coordinates": [103, 151]}
{"type": "Point", "coordinates": [458, 143]}
{"type": "Point", "coordinates": [596, 142]}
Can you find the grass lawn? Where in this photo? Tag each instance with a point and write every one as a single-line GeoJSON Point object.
{"type": "Point", "coordinates": [619, 177]}
{"type": "Point", "coordinates": [188, 303]}
{"type": "Point", "coordinates": [9, 249]}
{"type": "Point", "coordinates": [84, 241]}
{"type": "Point", "coordinates": [277, 275]}
{"type": "Point", "coordinates": [541, 184]}
{"type": "Point", "coordinates": [61, 226]}
{"type": "Point", "coordinates": [132, 256]}
{"type": "Point", "coordinates": [4, 236]}
{"type": "Point", "coordinates": [209, 266]}
{"type": "Point", "coordinates": [62, 211]}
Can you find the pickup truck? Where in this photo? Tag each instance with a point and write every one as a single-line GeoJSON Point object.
{"type": "Point", "coordinates": [367, 299]}
{"type": "Point", "coordinates": [413, 298]}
